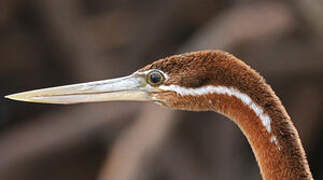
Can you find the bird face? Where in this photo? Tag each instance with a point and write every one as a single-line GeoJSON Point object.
{"type": "Point", "coordinates": [148, 85]}
{"type": "Point", "coordinates": [166, 82]}
{"type": "Point", "coordinates": [183, 79]}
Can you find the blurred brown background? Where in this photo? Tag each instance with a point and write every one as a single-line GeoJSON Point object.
{"type": "Point", "coordinates": [55, 42]}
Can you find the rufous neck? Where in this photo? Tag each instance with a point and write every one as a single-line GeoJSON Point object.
{"type": "Point", "coordinates": [270, 132]}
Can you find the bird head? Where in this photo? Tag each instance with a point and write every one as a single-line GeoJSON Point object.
{"type": "Point", "coordinates": [179, 82]}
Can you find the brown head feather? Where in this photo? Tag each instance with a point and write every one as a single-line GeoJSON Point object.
{"type": "Point", "coordinates": [219, 68]}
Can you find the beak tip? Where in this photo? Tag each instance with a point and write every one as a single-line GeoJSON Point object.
{"type": "Point", "coordinates": [9, 97]}
{"type": "Point", "coordinates": [16, 97]}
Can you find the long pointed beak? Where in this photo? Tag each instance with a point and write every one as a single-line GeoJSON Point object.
{"type": "Point", "coordinates": [129, 88]}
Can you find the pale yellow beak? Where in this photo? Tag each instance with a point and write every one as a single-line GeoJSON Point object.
{"type": "Point", "coordinates": [129, 88]}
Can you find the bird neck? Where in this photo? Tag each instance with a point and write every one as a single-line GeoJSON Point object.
{"type": "Point", "coordinates": [218, 81]}
{"type": "Point", "coordinates": [269, 130]}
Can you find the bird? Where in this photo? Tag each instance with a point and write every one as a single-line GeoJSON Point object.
{"type": "Point", "coordinates": [207, 80]}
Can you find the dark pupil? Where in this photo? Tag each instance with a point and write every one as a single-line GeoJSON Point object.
{"type": "Point", "coordinates": [155, 78]}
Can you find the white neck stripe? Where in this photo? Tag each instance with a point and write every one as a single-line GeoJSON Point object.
{"type": "Point", "coordinates": [230, 91]}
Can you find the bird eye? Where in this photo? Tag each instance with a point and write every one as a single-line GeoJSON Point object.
{"type": "Point", "coordinates": [155, 78]}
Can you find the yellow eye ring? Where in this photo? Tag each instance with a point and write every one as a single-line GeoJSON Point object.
{"type": "Point", "coordinates": [155, 78]}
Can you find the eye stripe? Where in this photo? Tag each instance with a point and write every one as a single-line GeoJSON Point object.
{"type": "Point", "coordinates": [265, 119]}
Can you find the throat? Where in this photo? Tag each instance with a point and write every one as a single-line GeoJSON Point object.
{"type": "Point", "coordinates": [270, 132]}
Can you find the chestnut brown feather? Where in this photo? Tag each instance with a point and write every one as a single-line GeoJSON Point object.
{"type": "Point", "coordinates": [219, 68]}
